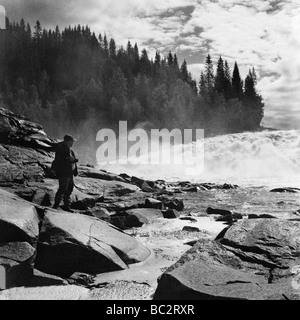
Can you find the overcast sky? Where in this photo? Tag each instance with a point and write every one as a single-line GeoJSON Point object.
{"type": "Point", "coordinates": [256, 33]}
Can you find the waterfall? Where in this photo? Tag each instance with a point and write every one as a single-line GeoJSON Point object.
{"type": "Point", "coordinates": [251, 158]}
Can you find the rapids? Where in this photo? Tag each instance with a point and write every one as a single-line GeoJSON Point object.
{"type": "Point", "coordinates": [267, 158]}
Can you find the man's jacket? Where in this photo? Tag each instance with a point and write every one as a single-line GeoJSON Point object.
{"type": "Point", "coordinates": [64, 164]}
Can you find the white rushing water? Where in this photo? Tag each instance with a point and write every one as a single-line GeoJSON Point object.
{"type": "Point", "coordinates": [268, 158]}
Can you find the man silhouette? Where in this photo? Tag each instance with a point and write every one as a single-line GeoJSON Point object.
{"type": "Point", "coordinates": [65, 167]}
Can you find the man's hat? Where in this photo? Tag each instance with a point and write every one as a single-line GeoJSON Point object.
{"type": "Point", "coordinates": [69, 138]}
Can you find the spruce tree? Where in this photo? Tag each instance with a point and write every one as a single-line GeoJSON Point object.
{"type": "Point", "coordinates": [254, 76]}
{"type": "Point", "coordinates": [209, 74]}
{"type": "Point", "coordinates": [220, 77]}
{"type": "Point", "coordinates": [227, 81]}
{"type": "Point", "coordinates": [237, 83]}
{"type": "Point", "coordinates": [38, 31]}
{"type": "Point", "coordinates": [136, 53]}
{"type": "Point", "coordinates": [112, 49]}
{"type": "Point", "coordinates": [157, 60]}
{"type": "Point", "coordinates": [129, 49]}
{"type": "Point", "coordinates": [105, 46]}
{"type": "Point", "coordinates": [202, 83]}
{"type": "Point", "coordinates": [145, 62]}
{"type": "Point", "coordinates": [250, 91]}
{"type": "Point", "coordinates": [175, 62]}
{"type": "Point", "coordinates": [57, 34]}
{"type": "Point", "coordinates": [184, 71]}
{"type": "Point", "coordinates": [170, 59]}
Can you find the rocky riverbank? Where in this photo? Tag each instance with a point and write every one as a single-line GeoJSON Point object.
{"type": "Point", "coordinates": [129, 238]}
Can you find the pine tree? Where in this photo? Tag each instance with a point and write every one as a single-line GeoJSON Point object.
{"type": "Point", "coordinates": [37, 31]}
{"type": "Point", "coordinates": [105, 46]}
{"type": "Point", "coordinates": [184, 71]}
{"type": "Point", "coordinates": [145, 62]}
{"type": "Point", "coordinates": [112, 49]}
{"type": "Point", "coordinates": [57, 34]}
{"type": "Point", "coordinates": [157, 60]}
{"type": "Point", "coordinates": [22, 26]}
{"type": "Point", "coordinates": [136, 53]}
{"type": "Point", "coordinates": [237, 83]}
{"type": "Point", "coordinates": [250, 91]}
{"type": "Point", "coordinates": [254, 76]}
{"type": "Point", "coordinates": [170, 59]}
{"type": "Point", "coordinates": [227, 81]}
{"type": "Point", "coordinates": [220, 77]}
{"type": "Point", "coordinates": [28, 31]}
{"type": "Point", "coordinates": [118, 94]}
{"type": "Point", "coordinates": [94, 42]}
{"type": "Point", "coordinates": [209, 74]}
{"type": "Point", "coordinates": [175, 62]}
{"type": "Point", "coordinates": [202, 83]}
{"type": "Point", "coordinates": [129, 50]}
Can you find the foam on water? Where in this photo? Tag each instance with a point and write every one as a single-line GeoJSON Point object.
{"type": "Point", "coordinates": [267, 158]}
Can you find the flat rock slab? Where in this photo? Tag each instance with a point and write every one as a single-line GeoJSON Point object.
{"type": "Point", "coordinates": [286, 190]}
{"type": "Point", "coordinates": [99, 187]}
{"type": "Point", "coordinates": [89, 172]}
{"type": "Point", "coordinates": [251, 260]}
{"type": "Point", "coordinates": [19, 221]}
{"type": "Point", "coordinates": [146, 215]}
{"type": "Point", "coordinates": [56, 293]}
{"type": "Point", "coordinates": [70, 243]}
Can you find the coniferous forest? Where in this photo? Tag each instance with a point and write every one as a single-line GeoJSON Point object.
{"type": "Point", "coordinates": [74, 81]}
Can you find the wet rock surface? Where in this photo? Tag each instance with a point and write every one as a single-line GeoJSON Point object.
{"type": "Point", "coordinates": [252, 259]}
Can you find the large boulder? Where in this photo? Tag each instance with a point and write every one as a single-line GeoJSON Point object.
{"type": "Point", "coordinates": [16, 264]}
{"type": "Point", "coordinates": [70, 243]}
{"type": "Point", "coordinates": [25, 151]}
{"type": "Point", "coordinates": [19, 231]}
{"type": "Point", "coordinates": [146, 215]}
{"type": "Point", "coordinates": [135, 218]}
{"type": "Point", "coordinates": [171, 214]}
{"type": "Point", "coordinates": [19, 220]}
{"type": "Point", "coordinates": [272, 243]}
{"type": "Point", "coordinates": [252, 260]}
{"type": "Point", "coordinates": [153, 204]}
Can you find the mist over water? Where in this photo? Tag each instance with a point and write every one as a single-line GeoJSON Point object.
{"type": "Point", "coordinates": [260, 158]}
{"type": "Point", "coordinates": [268, 158]}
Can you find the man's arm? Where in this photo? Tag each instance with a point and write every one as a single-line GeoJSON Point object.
{"type": "Point", "coordinates": [73, 157]}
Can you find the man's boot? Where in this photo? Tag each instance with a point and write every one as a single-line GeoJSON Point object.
{"type": "Point", "coordinates": [67, 208]}
{"type": "Point", "coordinates": [57, 201]}
{"type": "Point", "coordinates": [56, 206]}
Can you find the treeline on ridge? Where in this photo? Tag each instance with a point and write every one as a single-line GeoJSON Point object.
{"type": "Point", "coordinates": [74, 81]}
